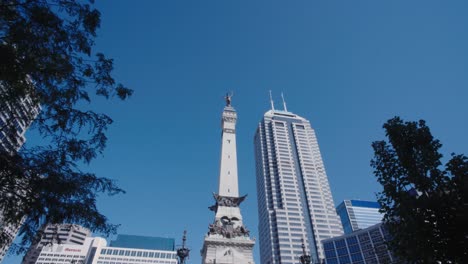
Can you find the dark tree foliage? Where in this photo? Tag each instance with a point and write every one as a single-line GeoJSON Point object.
{"type": "Point", "coordinates": [425, 202]}
{"type": "Point", "coordinates": [46, 58]}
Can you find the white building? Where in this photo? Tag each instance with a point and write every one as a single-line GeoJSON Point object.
{"type": "Point", "coordinates": [69, 253]}
{"type": "Point", "coordinates": [294, 198]}
{"type": "Point", "coordinates": [228, 240]}
{"type": "Point", "coordinates": [95, 250]}
{"type": "Point", "coordinates": [65, 234]}
{"type": "Point", "coordinates": [111, 255]}
{"type": "Point", "coordinates": [129, 249]}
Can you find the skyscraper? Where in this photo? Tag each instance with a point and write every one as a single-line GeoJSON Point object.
{"type": "Point", "coordinates": [15, 119]}
{"type": "Point", "coordinates": [294, 198]}
{"type": "Point", "coordinates": [357, 214]}
{"type": "Point", "coordinates": [228, 241]}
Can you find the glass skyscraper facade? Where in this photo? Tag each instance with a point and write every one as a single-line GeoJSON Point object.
{"type": "Point", "coordinates": [295, 203]}
{"type": "Point", "coordinates": [356, 214]}
{"type": "Point", "coordinates": [366, 246]}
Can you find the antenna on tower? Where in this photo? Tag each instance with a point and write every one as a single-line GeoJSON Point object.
{"type": "Point", "coordinates": [284, 103]}
{"type": "Point", "coordinates": [271, 102]}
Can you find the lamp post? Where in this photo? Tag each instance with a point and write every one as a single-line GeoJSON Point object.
{"type": "Point", "coordinates": [305, 259]}
{"type": "Point", "coordinates": [183, 252]}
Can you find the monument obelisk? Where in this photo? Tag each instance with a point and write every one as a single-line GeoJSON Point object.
{"type": "Point", "coordinates": [228, 240]}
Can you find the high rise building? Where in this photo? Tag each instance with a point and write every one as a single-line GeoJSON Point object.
{"type": "Point", "coordinates": [227, 240]}
{"type": "Point", "coordinates": [294, 198]}
{"type": "Point", "coordinates": [64, 234]}
{"type": "Point", "coordinates": [356, 214]}
{"type": "Point", "coordinates": [363, 246]}
{"type": "Point", "coordinates": [15, 119]}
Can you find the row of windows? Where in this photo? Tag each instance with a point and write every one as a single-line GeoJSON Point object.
{"type": "Point", "coordinates": [60, 255]}
{"type": "Point", "coordinates": [135, 253]}
{"type": "Point", "coordinates": [59, 261]}
{"type": "Point", "coordinates": [62, 259]}
{"type": "Point", "coordinates": [137, 261]}
{"type": "Point", "coordinates": [55, 262]}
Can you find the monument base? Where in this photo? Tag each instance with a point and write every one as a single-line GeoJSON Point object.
{"type": "Point", "coordinates": [221, 250]}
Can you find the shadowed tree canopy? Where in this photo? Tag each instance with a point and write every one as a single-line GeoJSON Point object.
{"type": "Point", "coordinates": [46, 58]}
{"type": "Point", "coordinates": [425, 202]}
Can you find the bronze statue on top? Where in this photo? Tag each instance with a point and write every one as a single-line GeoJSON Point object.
{"type": "Point", "coordinates": [228, 99]}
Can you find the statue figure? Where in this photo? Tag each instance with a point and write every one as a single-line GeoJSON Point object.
{"type": "Point", "coordinates": [212, 229]}
{"type": "Point", "coordinates": [228, 99]}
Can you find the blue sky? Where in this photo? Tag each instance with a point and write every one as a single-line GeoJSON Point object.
{"type": "Point", "coordinates": [347, 66]}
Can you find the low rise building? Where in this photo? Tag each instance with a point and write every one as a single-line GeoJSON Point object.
{"type": "Point", "coordinates": [129, 249]}
{"type": "Point", "coordinates": [69, 253]}
{"type": "Point", "coordinates": [360, 247]}
{"type": "Point", "coordinates": [125, 249]}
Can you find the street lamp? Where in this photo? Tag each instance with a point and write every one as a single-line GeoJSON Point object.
{"type": "Point", "coordinates": [183, 252]}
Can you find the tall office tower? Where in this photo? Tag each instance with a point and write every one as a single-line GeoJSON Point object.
{"type": "Point", "coordinates": [227, 240]}
{"type": "Point", "coordinates": [15, 118]}
{"type": "Point", "coordinates": [64, 234]}
{"type": "Point", "coordinates": [357, 214]}
{"type": "Point", "coordinates": [294, 198]}
{"type": "Point", "coordinates": [363, 246]}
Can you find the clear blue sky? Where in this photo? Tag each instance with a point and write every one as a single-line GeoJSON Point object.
{"type": "Point", "coordinates": [347, 66]}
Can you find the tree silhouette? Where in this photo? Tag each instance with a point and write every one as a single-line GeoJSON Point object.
{"type": "Point", "coordinates": [46, 58]}
{"type": "Point", "coordinates": [425, 203]}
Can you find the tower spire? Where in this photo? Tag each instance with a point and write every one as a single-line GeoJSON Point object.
{"type": "Point", "coordinates": [284, 102]}
{"type": "Point", "coordinates": [271, 102]}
